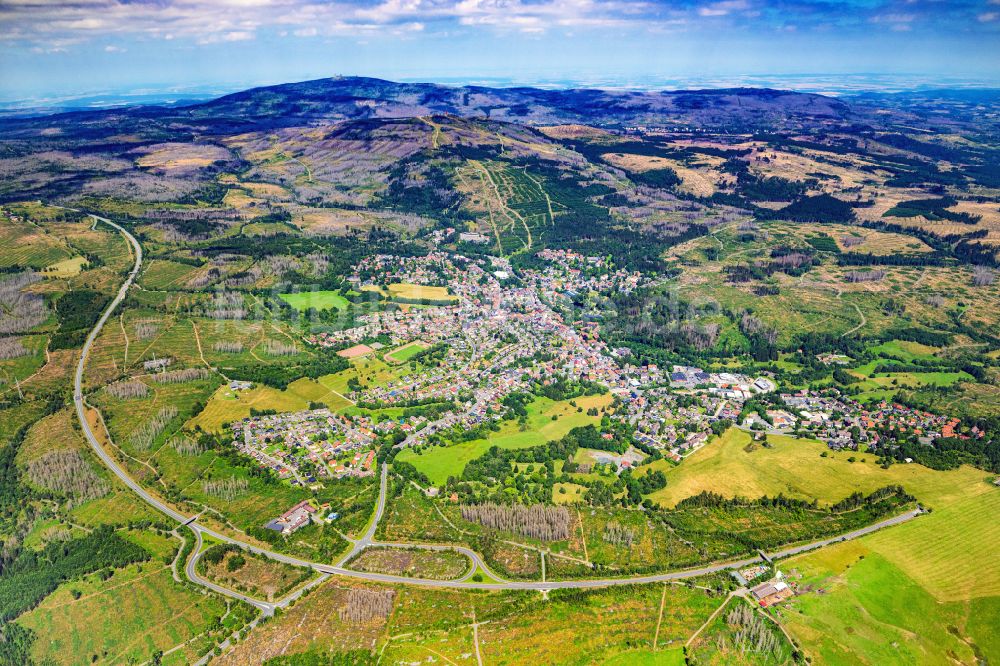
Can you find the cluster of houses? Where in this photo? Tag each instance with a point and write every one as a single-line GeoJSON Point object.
{"type": "Point", "coordinates": [286, 442]}
{"type": "Point", "coordinates": [845, 424]}
{"type": "Point", "coordinates": [504, 335]}
{"type": "Point", "coordinates": [499, 338]}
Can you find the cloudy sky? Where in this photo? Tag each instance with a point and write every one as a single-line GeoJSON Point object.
{"type": "Point", "coordinates": [50, 48]}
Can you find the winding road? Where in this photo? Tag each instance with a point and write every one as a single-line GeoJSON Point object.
{"type": "Point", "coordinates": [367, 540]}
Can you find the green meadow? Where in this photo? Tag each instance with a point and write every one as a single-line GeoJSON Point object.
{"type": "Point", "coordinates": [440, 462]}
{"type": "Point", "coordinates": [318, 300]}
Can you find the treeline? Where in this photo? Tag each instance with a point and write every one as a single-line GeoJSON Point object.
{"type": "Point", "coordinates": [819, 208]}
{"type": "Point", "coordinates": [280, 376]}
{"type": "Point", "coordinates": [77, 312]}
{"type": "Point", "coordinates": [36, 574]}
{"type": "Point", "coordinates": [709, 499]}
{"type": "Point", "coordinates": [777, 520]}
{"type": "Point", "coordinates": [934, 210]}
{"type": "Point", "coordinates": [894, 494]}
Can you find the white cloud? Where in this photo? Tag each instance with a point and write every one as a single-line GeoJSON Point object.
{"type": "Point", "coordinates": [40, 22]}
{"type": "Point", "coordinates": [213, 21]}
{"type": "Point", "coordinates": [723, 8]}
{"type": "Point", "coordinates": [114, 49]}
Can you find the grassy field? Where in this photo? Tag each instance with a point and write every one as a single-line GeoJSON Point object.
{"type": "Point", "coordinates": [65, 268]}
{"type": "Point", "coordinates": [567, 493]}
{"type": "Point", "coordinates": [883, 386]}
{"type": "Point", "coordinates": [438, 463]}
{"type": "Point", "coordinates": [925, 592]}
{"type": "Point", "coordinates": [419, 291]}
{"type": "Point", "coordinates": [794, 467]}
{"type": "Point", "coordinates": [952, 552]}
{"type": "Point", "coordinates": [319, 300]}
{"type": "Point", "coordinates": [906, 350]}
{"type": "Point", "coordinates": [405, 352]}
{"type": "Point", "coordinates": [226, 405]}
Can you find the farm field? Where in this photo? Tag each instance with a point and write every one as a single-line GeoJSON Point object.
{"type": "Point", "coordinates": [929, 591]}
{"type": "Point", "coordinates": [318, 300]}
{"type": "Point", "coordinates": [440, 462]}
{"type": "Point", "coordinates": [794, 467]}
{"type": "Point", "coordinates": [419, 292]}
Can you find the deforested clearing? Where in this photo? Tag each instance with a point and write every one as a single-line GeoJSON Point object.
{"type": "Point", "coordinates": [20, 311]}
{"type": "Point", "coordinates": [67, 473]}
{"type": "Point", "coordinates": [12, 348]}
{"type": "Point", "coordinates": [128, 390]}
{"type": "Point", "coordinates": [365, 605]}
{"type": "Point", "coordinates": [186, 446]}
{"type": "Point", "coordinates": [548, 523]}
{"type": "Point", "coordinates": [227, 489]}
{"type": "Point", "coordinates": [178, 376]}
{"type": "Point", "coordinates": [145, 330]}
{"type": "Point", "coordinates": [143, 437]}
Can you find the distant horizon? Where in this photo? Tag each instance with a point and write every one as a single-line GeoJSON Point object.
{"type": "Point", "coordinates": [834, 85]}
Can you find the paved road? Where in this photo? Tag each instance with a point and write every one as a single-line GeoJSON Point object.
{"type": "Point", "coordinates": [895, 520]}
{"type": "Point", "coordinates": [367, 539]}
{"type": "Point", "coordinates": [191, 570]}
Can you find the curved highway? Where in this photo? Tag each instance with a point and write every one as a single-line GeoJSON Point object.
{"type": "Point", "coordinates": [367, 540]}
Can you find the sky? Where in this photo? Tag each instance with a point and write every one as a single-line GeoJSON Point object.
{"type": "Point", "coordinates": [56, 50]}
